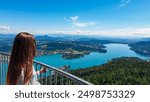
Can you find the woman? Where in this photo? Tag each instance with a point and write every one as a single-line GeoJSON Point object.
{"type": "Point", "coordinates": [21, 70]}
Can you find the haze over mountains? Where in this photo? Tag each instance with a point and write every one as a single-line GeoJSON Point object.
{"type": "Point", "coordinates": [62, 37]}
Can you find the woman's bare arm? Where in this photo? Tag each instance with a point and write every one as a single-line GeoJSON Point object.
{"type": "Point", "coordinates": [41, 71]}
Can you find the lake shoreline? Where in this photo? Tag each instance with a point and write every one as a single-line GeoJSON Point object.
{"type": "Point", "coordinates": [92, 59]}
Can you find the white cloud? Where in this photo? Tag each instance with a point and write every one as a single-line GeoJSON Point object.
{"type": "Point", "coordinates": [129, 31]}
{"type": "Point", "coordinates": [143, 30]}
{"type": "Point", "coordinates": [83, 24]}
{"type": "Point", "coordinates": [4, 28]}
{"type": "Point", "coordinates": [123, 3]}
{"type": "Point", "coordinates": [74, 20]}
{"type": "Point", "coordinates": [7, 29]}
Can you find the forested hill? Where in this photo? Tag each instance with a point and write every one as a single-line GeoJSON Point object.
{"type": "Point", "coordinates": [119, 71]}
{"type": "Point", "coordinates": [142, 47]}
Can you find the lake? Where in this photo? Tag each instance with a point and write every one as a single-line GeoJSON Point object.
{"type": "Point", "coordinates": [94, 58]}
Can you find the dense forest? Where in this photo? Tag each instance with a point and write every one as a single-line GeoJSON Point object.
{"type": "Point", "coordinates": [76, 45]}
{"type": "Point", "coordinates": [142, 47]}
{"type": "Point", "coordinates": [119, 71]}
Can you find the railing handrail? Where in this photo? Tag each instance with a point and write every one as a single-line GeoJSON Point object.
{"type": "Point", "coordinates": [75, 78]}
{"type": "Point", "coordinates": [64, 73]}
{"type": "Point", "coordinates": [5, 53]}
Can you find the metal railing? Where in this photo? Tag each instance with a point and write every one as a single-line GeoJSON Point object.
{"type": "Point", "coordinates": [4, 61]}
{"type": "Point", "coordinates": [53, 76]}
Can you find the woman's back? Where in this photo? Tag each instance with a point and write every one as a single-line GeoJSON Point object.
{"type": "Point", "coordinates": [32, 81]}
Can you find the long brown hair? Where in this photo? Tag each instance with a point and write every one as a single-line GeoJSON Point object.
{"type": "Point", "coordinates": [22, 54]}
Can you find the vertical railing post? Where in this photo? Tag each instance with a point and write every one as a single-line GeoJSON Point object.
{"type": "Point", "coordinates": [62, 79]}
{"type": "Point", "coordinates": [4, 69]}
{"type": "Point", "coordinates": [41, 77]}
{"type": "Point", "coordinates": [0, 68]}
{"type": "Point", "coordinates": [55, 78]}
{"type": "Point", "coordinates": [50, 77]}
{"type": "Point", "coordinates": [7, 63]}
{"type": "Point", "coordinates": [45, 78]}
{"type": "Point", "coordinates": [36, 66]}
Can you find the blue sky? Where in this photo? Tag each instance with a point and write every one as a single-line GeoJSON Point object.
{"type": "Point", "coordinates": [87, 17]}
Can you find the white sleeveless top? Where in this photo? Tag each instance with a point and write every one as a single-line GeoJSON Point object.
{"type": "Point", "coordinates": [33, 80]}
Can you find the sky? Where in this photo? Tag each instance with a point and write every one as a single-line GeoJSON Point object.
{"type": "Point", "coordinates": [81, 17]}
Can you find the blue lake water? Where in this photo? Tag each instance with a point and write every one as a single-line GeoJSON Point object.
{"type": "Point", "coordinates": [94, 58]}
